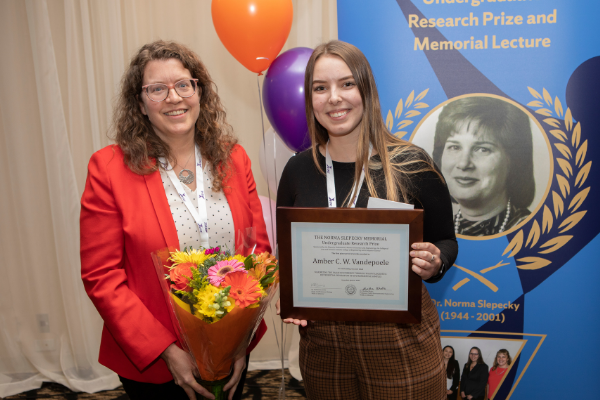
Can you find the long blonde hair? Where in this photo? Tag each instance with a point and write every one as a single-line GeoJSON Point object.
{"type": "Point", "coordinates": [372, 129]}
{"type": "Point", "coordinates": [508, 358]}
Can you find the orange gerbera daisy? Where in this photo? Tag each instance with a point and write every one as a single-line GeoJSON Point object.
{"type": "Point", "coordinates": [245, 290]}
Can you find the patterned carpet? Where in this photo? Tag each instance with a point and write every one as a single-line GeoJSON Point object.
{"type": "Point", "coordinates": [259, 385]}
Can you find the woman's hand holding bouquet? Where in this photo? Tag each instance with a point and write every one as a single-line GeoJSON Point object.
{"type": "Point", "coordinates": [218, 300]}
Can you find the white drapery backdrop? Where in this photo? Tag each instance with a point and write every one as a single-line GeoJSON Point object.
{"type": "Point", "coordinates": [61, 63]}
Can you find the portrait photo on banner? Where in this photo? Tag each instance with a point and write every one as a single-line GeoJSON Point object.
{"type": "Point", "coordinates": [496, 160]}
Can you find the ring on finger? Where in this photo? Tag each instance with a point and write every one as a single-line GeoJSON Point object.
{"type": "Point", "coordinates": [432, 258]}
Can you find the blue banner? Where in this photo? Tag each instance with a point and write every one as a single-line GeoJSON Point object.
{"type": "Point", "coordinates": [505, 96]}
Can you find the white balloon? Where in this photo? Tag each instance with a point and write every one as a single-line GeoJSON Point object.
{"type": "Point", "coordinates": [273, 156]}
{"type": "Point", "coordinates": [268, 209]}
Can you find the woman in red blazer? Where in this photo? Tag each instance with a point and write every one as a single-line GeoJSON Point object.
{"type": "Point", "coordinates": [168, 117]}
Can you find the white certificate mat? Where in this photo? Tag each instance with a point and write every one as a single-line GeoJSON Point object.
{"type": "Point", "coordinates": [350, 266]}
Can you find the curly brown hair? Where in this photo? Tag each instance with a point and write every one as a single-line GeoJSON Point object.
{"type": "Point", "coordinates": [133, 130]}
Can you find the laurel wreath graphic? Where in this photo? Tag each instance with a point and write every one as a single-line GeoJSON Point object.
{"type": "Point", "coordinates": [570, 154]}
{"type": "Point", "coordinates": [412, 106]}
{"type": "Point", "coordinates": [556, 222]}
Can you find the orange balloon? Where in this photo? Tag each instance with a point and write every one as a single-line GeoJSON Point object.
{"type": "Point", "coordinates": [253, 31]}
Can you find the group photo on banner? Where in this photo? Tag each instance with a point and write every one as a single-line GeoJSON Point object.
{"type": "Point", "coordinates": [320, 199]}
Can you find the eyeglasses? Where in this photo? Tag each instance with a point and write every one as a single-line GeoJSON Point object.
{"type": "Point", "coordinates": [159, 91]}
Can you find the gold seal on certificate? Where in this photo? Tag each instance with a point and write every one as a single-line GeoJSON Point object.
{"type": "Point", "coordinates": [349, 264]}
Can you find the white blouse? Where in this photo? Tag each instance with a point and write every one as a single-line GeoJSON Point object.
{"type": "Point", "coordinates": [220, 222]}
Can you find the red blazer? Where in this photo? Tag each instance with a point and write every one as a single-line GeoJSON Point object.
{"type": "Point", "coordinates": [125, 217]}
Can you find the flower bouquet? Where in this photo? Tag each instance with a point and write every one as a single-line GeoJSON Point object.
{"type": "Point", "coordinates": [218, 300]}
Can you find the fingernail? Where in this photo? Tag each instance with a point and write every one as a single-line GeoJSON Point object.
{"type": "Point", "coordinates": [412, 253]}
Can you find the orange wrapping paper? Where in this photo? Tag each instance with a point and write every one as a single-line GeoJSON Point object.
{"type": "Point", "coordinates": [215, 346]}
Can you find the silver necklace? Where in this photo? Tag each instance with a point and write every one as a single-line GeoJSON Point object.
{"type": "Point", "coordinates": [500, 373]}
{"type": "Point", "coordinates": [458, 218]}
{"type": "Point", "coordinates": [188, 177]}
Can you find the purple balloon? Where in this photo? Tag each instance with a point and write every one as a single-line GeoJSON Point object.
{"type": "Point", "coordinates": [283, 97]}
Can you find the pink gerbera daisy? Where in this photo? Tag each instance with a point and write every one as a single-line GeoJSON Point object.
{"type": "Point", "coordinates": [217, 272]}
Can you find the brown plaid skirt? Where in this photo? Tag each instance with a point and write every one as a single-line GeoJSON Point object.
{"type": "Point", "coordinates": [364, 360]}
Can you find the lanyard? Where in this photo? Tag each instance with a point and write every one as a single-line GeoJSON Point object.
{"type": "Point", "coordinates": [199, 214]}
{"type": "Point", "coordinates": [331, 199]}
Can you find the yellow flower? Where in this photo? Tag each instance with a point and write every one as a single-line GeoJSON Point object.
{"type": "Point", "coordinates": [194, 256]}
{"type": "Point", "coordinates": [238, 257]}
{"type": "Point", "coordinates": [206, 298]}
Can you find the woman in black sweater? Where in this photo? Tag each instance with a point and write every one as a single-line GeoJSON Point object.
{"type": "Point", "coordinates": [474, 376]}
{"type": "Point", "coordinates": [452, 373]}
{"type": "Point", "coordinates": [356, 360]}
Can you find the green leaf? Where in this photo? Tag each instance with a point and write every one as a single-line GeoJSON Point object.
{"type": "Point", "coordinates": [269, 269]}
{"type": "Point", "coordinates": [249, 262]}
{"type": "Point", "coordinates": [210, 262]}
{"type": "Point", "coordinates": [268, 279]}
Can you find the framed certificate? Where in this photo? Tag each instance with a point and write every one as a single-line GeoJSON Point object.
{"type": "Point", "coordinates": [349, 264]}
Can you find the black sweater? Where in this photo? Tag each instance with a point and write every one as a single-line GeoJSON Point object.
{"type": "Point", "coordinates": [473, 382]}
{"type": "Point", "coordinates": [302, 185]}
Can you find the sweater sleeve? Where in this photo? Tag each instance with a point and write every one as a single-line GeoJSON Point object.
{"type": "Point", "coordinates": [455, 376]}
{"type": "Point", "coordinates": [479, 380]}
{"type": "Point", "coordinates": [285, 191]}
{"type": "Point", "coordinates": [463, 379]}
{"type": "Point", "coordinates": [432, 195]}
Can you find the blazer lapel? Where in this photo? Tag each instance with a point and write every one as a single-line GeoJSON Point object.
{"type": "Point", "coordinates": [245, 234]}
{"type": "Point", "coordinates": [236, 215]}
{"type": "Point", "coordinates": [162, 210]}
